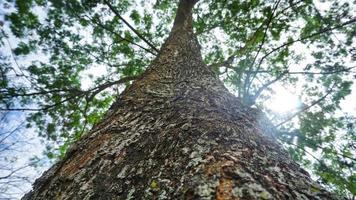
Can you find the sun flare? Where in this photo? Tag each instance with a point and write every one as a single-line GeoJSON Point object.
{"type": "Point", "coordinates": [283, 101]}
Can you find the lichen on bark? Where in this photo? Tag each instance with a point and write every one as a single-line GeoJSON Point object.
{"type": "Point", "coordinates": [177, 133]}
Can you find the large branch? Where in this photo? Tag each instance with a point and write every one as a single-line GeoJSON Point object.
{"type": "Point", "coordinates": [113, 9]}
{"type": "Point", "coordinates": [102, 87]}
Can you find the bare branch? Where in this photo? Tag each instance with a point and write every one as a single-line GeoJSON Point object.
{"type": "Point", "coordinates": [13, 172]}
{"type": "Point", "coordinates": [9, 133]}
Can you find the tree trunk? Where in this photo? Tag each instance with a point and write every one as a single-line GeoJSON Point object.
{"type": "Point", "coordinates": [177, 133]}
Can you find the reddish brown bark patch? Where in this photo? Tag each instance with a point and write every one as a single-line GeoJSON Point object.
{"type": "Point", "coordinates": [224, 189]}
{"type": "Point", "coordinates": [226, 184]}
{"type": "Point", "coordinates": [82, 158]}
{"type": "Point", "coordinates": [216, 167]}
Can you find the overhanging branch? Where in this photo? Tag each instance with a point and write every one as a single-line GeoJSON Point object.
{"type": "Point", "coordinates": [119, 36]}
{"type": "Point", "coordinates": [113, 9]}
{"type": "Point", "coordinates": [95, 22]}
{"type": "Point", "coordinates": [88, 94]}
{"type": "Point", "coordinates": [297, 133]}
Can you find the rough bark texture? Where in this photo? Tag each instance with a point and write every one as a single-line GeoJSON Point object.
{"type": "Point", "coordinates": [177, 133]}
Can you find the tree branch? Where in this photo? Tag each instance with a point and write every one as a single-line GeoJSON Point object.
{"type": "Point", "coordinates": [221, 64]}
{"type": "Point", "coordinates": [297, 133]}
{"type": "Point", "coordinates": [9, 133]}
{"type": "Point", "coordinates": [129, 25]}
{"type": "Point", "coordinates": [88, 93]}
{"type": "Point", "coordinates": [306, 108]}
{"type": "Point", "coordinates": [301, 148]}
{"type": "Point", "coordinates": [248, 82]}
{"type": "Point", "coordinates": [325, 30]}
{"type": "Point", "coordinates": [13, 172]}
{"type": "Point", "coordinates": [309, 72]}
{"type": "Point", "coordinates": [44, 92]}
{"type": "Point", "coordinates": [102, 87]}
{"type": "Point", "coordinates": [118, 35]}
{"type": "Point", "coordinates": [93, 21]}
{"type": "Point", "coordinates": [226, 63]}
{"type": "Point", "coordinates": [16, 63]}
{"type": "Point", "coordinates": [265, 86]}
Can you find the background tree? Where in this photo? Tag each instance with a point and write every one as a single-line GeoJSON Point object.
{"type": "Point", "coordinates": [15, 172]}
{"type": "Point", "coordinates": [250, 45]}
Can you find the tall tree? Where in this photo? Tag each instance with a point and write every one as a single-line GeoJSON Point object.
{"type": "Point", "coordinates": [249, 45]}
{"type": "Point", "coordinates": [176, 133]}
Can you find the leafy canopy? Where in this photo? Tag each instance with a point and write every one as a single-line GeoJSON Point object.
{"type": "Point", "coordinates": [68, 60]}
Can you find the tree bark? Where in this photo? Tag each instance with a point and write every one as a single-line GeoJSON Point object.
{"type": "Point", "coordinates": [177, 133]}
